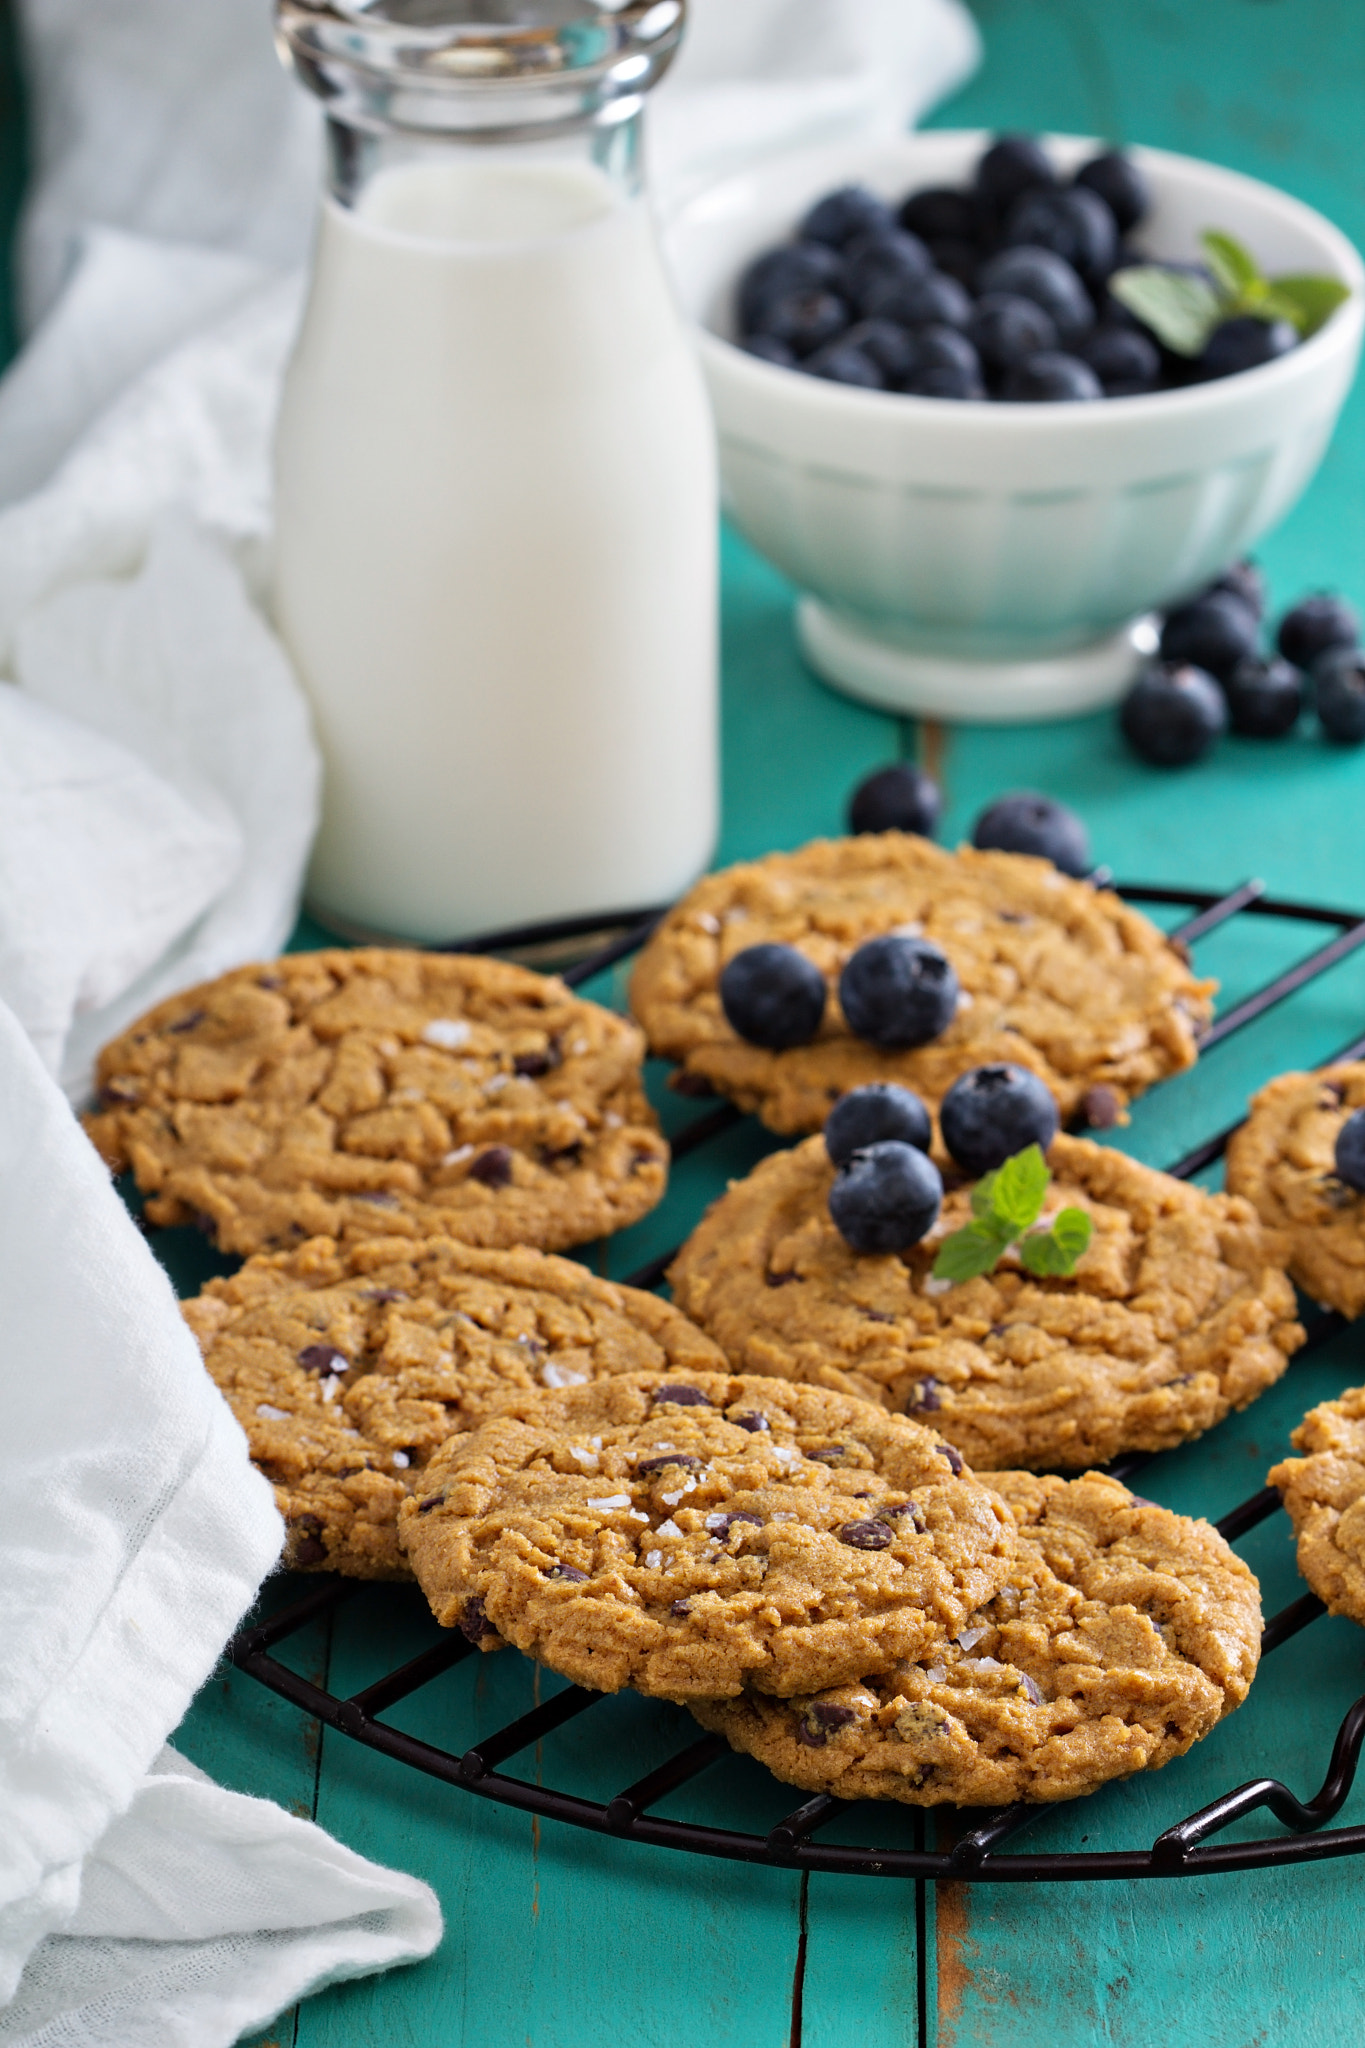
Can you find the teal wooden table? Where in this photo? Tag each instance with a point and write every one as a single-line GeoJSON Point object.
{"type": "Point", "coordinates": [561, 1939]}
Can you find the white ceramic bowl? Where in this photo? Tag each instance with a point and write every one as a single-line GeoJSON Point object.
{"type": "Point", "coordinates": [992, 561]}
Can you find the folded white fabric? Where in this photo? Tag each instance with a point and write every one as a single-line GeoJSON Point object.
{"type": "Point", "coordinates": [134, 1533]}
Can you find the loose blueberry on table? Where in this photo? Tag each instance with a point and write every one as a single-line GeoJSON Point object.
{"type": "Point", "coordinates": [1026, 822]}
{"type": "Point", "coordinates": [902, 798]}
{"type": "Point", "coordinates": [992, 1112]}
{"type": "Point", "coordinates": [885, 1197]}
{"type": "Point", "coordinates": [867, 1116]}
{"type": "Point", "coordinates": [1339, 692]}
{"type": "Point", "coordinates": [1173, 714]}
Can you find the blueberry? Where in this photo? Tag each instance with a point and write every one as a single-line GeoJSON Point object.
{"type": "Point", "coordinates": [1173, 713]}
{"type": "Point", "coordinates": [805, 320]}
{"type": "Point", "coordinates": [897, 992]}
{"type": "Point", "coordinates": [890, 347]}
{"type": "Point", "coordinates": [944, 348]}
{"type": "Point", "coordinates": [1012, 166]}
{"type": "Point", "coordinates": [1120, 184]}
{"type": "Point", "coordinates": [1339, 683]}
{"type": "Point", "coordinates": [1126, 361]}
{"type": "Point", "coordinates": [1244, 343]}
{"type": "Point", "coordinates": [990, 1113]}
{"type": "Point", "coordinates": [1075, 224]}
{"type": "Point", "coordinates": [866, 1116]}
{"type": "Point", "coordinates": [938, 214]}
{"type": "Point", "coordinates": [1006, 330]}
{"type": "Point", "coordinates": [944, 380]}
{"type": "Point", "coordinates": [961, 260]}
{"type": "Point", "coordinates": [1215, 632]}
{"type": "Point", "coordinates": [1047, 279]}
{"type": "Point", "coordinates": [773, 996]}
{"type": "Point", "coordinates": [1029, 823]}
{"type": "Point", "coordinates": [934, 300]}
{"type": "Point", "coordinates": [780, 272]}
{"type": "Point", "coordinates": [877, 264]}
{"type": "Point", "coordinates": [1350, 1153]}
{"type": "Point", "coordinates": [843, 362]}
{"type": "Point", "coordinates": [1051, 378]}
{"type": "Point", "coordinates": [1244, 580]}
{"type": "Point", "coordinates": [1264, 697]}
{"type": "Point", "coordinates": [1314, 625]}
{"type": "Point", "coordinates": [886, 1197]}
{"type": "Point", "coordinates": [769, 349]}
{"type": "Point", "coordinates": [898, 799]}
{"type": "Point", "coordinates": [841, 215]}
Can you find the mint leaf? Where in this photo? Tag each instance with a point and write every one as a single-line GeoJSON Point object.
{"type": "Point", "coordinates": [1054, 1253]}
{"type": "Point", "coordinates": [983, 1198]}
{"type": "Point", "coordinates": [1182, 311]}
{"type": "Point", "coordinates": [1308, 301]}
{"type": "Point", "coordinates": [968, 1253]}
{"type": "Point", "coordinates": [1235, 271]}
{"type": "Point", "coordinates": [1018, 1191]}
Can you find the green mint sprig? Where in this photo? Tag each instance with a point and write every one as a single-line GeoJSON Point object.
{"type": "Point", "coordinates": [1182, 309]}
{"type": "Point", "coordinates": [1005, 1206]}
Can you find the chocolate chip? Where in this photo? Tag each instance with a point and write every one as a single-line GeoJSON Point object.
{"type": "Point", "coordinates": [695, 1087]}
{"type": "Point", "coordinates": [1141, 1500]}
{"type": "Point", "coordinates": [680, 1458]}
{"type": "Point", "coordinates": [925, 1399]}
{"type": "Point", "coordinates": [878, 1315]}
{"type": "Point", "coordinates": [115, 1094]}
{"type": "Point", "coordinates": [1101, 1108]}
{"type": "Point", "coordinates": [474, 1623]}
{"type": "Point", "coordinates": [997, 1329]}
{"type": "Point", "coordinates": [567, 1155]}
{"type": "Point", "coordinates": [1334, 1093]}
{"type": "Point", "coordinates": [832, 1454]}
{"type": "Point", "coordinates": [324, 1359]}
{"type": "Point", "coordinates": [750, 1419]}
{"type": "Point", "coordinates": [721, 1525]}
{"type": "Point", "coordinates": [639, 1159]}
{"type": "Point", "coordinates": [308, 1546]}
{"type": "Point", "coordinates": [270, 981]}
{"type": "Point", "coordinates": [433, 1500]}
{"type": "Point", "coordinates": [781, 1279]}
{"type": "Point", "coordinates": [947, 1451]}
{"type": "Point", "coordinates": [681, 1397]}
{"type": "Point", "coordinates": [1013, 917]}
{"type": "Point", "coordinates": [865, 1535]}
{"type": "Point", "coordinates": [896, 1510]}
{"type": "Point", "coordinates": [1030, 1691]}
{"type": "Point", "coordinates": [567, 1572]}
{"type": "Point", "coordinates": [530, 1064]}
{"type": "Point", "coordinates": [382, 1294]}
{"type": "Point", "coordinates": [493, 1167]}
{"type": "Point", "coordinates": [815, 1726]}
{"type": "Point", "coordinates": [187, 1023]}
{"type": "Point", "coordinates": [681, 1609]}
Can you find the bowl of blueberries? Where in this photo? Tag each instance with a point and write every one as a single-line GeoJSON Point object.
{"type": "Point", "coordinates": [992, 403]}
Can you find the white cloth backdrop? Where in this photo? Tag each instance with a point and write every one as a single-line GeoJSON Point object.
{"type": "Point", "coordinates": [158, 792]}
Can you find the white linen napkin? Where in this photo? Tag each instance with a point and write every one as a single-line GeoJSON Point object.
{"type": "Point", "coordinates": [138, 1901]}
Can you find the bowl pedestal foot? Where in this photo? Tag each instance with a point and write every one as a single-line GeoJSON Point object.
{"type": "Point", "coordinates": [998, 692]}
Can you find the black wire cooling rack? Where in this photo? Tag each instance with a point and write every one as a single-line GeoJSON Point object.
{"type": "Point", "coordinates": [1182, 1850]}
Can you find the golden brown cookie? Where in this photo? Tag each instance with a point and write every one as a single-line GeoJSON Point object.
{"type": "Point", "coordinates": [689, 1537]}
{"type": "Point", "coordinates": [1177, 1312]}
{"type": "Point", "coordinates": [349, 1367]}
{"type": "Point", "coordinates": [1123, 1634]}
{"type": "Point", "coordinates": [1324, 1492]}
{"type": "Point", "coordinates": [1283, 1161]}
{"type": "Point", "coordinates": [358, 1094]}
{"type": "Point", "coordinates": [1056, 976]}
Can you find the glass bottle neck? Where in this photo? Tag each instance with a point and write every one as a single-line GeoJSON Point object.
{"type": "Point", "coordinates": [356, 157]}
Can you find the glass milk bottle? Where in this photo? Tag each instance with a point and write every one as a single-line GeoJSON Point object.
{"type": "Point", "coordinates": [496, 501]}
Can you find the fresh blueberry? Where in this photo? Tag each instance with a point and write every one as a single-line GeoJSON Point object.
{"type": "Point", "coordinates": [1339, 684]}
{"type": "Point", "coordinates": [805, 320]}
{"type": "Point", "coordinates": [886, 1197]}
{"type": "Point", "coordinates": [1316, 624]}
{"type": "Point", "coordinates": [897, 992]}
{"type": "Point", "coordinates": [1126, 361]}
{"type": "Point", "coordinates": [1051, 378]}
{"type": "Point", "coordinates": [841, 361]}
{"type": "Point", "coordinates": [1006, 330]}
{"type": "Point", "coordinates": [1350, 1152]}
{"type": "Point", "coordinates": [1047, 279]}
{"type": "Point", "coordinates": [961, 260]}
{"type": "Point", "coordinates": [1215, 632]}
{"type": "Point", "coordinates": [773, 996]}
{"type": "Point", "coordinates": [902, 798]}
{"type": "Point", "coordinates": [1244, 580]}
{"type": "Point", "coordinates": [1120, 184]}
{"type": "Point", "coordinates": [886, 345]}
{"type": "Point", "coordinates": [769, 349]}
{"type": "Point", "coordinates": [867, 1116]}
{"type": "Point", "coordinates": [876, 265]}
{"type": "Point", "coordinates": [1244, 343]}
{"type": "Point", "coordinates": [1011, 167]}
{"type": "Point", "coordinates": [1173, 714]}
{"type": "Point", "coordinates": [1264, 697]}
{"type": "Point", "coordinates": [1075, 224]}
{"type": "Point", "coordinates": [944, 380]}
{"type": "Point", "coordinates": [806, 267]}
{"type": "Point", "coordinates": [945, 348]}
{"type": "Point", "coordinates": [839, 216]}
{"type": "Point", "coordinates": [990, 1113]}
{"type": "Point", "coordinates": [939, 214]}
{"type": "Point", "coordinates": [1029, 823]}
{"type": "Point", "coordinates": [934, 300]}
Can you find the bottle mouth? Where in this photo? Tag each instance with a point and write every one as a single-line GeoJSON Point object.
{"type": "Point", "coordinates": [501, 67]}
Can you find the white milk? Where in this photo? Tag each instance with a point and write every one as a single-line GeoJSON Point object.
{"type": "Point", "coordinates": [495, 554]}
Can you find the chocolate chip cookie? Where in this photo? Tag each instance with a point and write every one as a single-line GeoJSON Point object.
{"type": "Point", "coordinates": [1283, 1161]}
{"type": "Point", "coordinates": [382, 1092]}
{"type": "Point", "coordinates": [1178, 1311]}
{"type": "Point", "coordinates": [348, 1367]}
{"type": "Point", "coordinates": [689, 1536]}
{"type": "Point", "coordinates": [1122, 1635]}
{"type": "Point", "coordinates": [1055, 975]}
{"type": "Point", "coordinates": [1324, 1492]}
